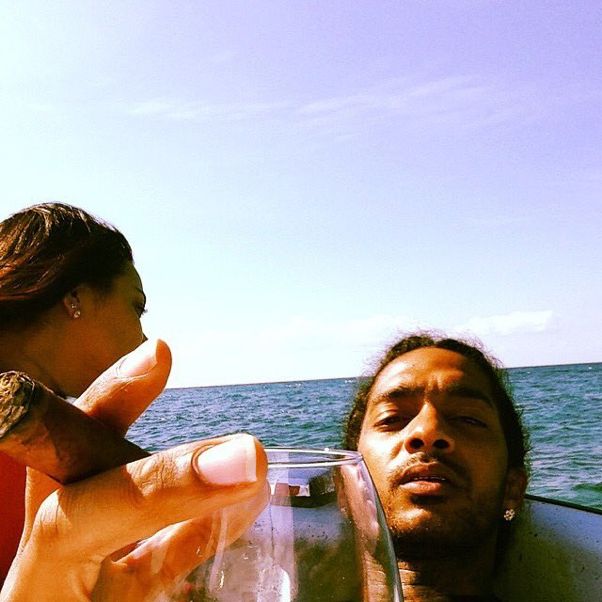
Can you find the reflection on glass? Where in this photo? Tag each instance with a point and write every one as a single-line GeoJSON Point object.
{"type": "Point", "coordinates": [322, 538]}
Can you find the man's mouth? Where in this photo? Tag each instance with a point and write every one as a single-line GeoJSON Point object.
{"type": "Point", "coordinates": [428, 479]}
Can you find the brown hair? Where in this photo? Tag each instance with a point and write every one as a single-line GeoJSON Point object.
{"type": "Point", "coordinates": [48, 249]}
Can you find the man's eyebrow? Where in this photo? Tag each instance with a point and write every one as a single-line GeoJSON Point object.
{"type": "Point", "coordinates": [459, 390]}
{"type": "Point", "coordinates": [399, 392]}
{"type": "Point", "coordinates": [472, 393]}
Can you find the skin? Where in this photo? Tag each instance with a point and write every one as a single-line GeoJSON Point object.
{"type": "Point", "coordinates": [435, 448]}
{"type": "Point", "coordinates": [67, 354]}
{"type": "Point", "coordinates": [108, 328]}
{"type": "Point", "coordinates": [78, 539]}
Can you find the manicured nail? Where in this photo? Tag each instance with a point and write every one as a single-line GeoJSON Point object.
{"type": "Point", "coordinates": [229, 463]}
{"type": "Point", "coordinates": [138, 362]}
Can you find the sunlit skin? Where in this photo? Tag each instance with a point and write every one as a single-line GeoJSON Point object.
{"type": "Point", "coordinates": [109, 326]}
{"type": "Point", "coordinates": [434, 445]}
{"type": "Point", "coordinates": [67, 353]}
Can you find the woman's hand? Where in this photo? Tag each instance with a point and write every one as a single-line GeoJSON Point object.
{"type": "Point", "coordinates": [80, 541]}
{"type": "Point", "coordinates": [173, 500]}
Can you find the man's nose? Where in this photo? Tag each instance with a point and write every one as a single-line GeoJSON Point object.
{"type": "Point", "coordinates": [427, 433]}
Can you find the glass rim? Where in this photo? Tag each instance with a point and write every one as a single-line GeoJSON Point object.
{"type": "Point", "coordinates": [327, 457]}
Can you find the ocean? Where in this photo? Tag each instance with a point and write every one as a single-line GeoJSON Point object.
{"type": "Point", "coordinates": [562, 409]}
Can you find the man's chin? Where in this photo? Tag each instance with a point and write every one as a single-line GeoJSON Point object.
{"type": "Point", "coordinates": [422, 521]}
{"type": "Point", "coordinates": [428, 540]}
{"type": "Point", "coordinates": [425, 512]}
{"type": "Point", "coordinates": [434, 530]}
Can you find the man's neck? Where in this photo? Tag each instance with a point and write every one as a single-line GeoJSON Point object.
{"type": "Point", "coordinates": [446, 579]}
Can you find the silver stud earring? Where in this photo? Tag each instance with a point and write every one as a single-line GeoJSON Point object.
{"type": "Point", "coordinates": [76, 312]}
{"type": "Point", "coordinates": [509, 514]}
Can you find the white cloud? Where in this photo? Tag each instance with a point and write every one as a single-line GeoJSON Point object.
{"type": "Point", "coordinates": [200, 111]}
{"type": "Point", "coordinates": [507, 324]}
{"type": "Point", "coordinates": [454, 101]}
{"type": "Point", "coordinates": [461, 101]}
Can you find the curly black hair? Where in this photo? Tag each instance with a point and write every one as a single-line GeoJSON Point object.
{"type": "Point", "coordinates": [514, 431]}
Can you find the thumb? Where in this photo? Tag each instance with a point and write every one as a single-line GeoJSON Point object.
{"type": "Point", "coordinates": [116, 398]}
{"type": "Point", "coordinates": [119, 395]}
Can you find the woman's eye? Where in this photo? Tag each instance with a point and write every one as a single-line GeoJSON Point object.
{"type": "Point", "coordinates": [141, 310]}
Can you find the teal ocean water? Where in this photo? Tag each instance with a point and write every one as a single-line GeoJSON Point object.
{"type": "Point", "coordinates": [562, 408]}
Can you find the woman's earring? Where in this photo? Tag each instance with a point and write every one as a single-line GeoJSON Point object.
{"type": "Point", "coordinates": [76, 312]}
{"type": "Point", "coordinates": [509, 514]}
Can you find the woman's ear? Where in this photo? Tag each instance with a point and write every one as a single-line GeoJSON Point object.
{"type": "Point", "coordinates": [516, 485]}
{"type": "Point", "coordinates": [72, 304]}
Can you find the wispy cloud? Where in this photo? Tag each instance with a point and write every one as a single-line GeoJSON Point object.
{"type": "Point", "coordinates": [507, 324]}
{"type": "Point", "coordinates": [453, 101]}
{"type": "Point", "coordinates": [398, 96]}
{"type": "Point", "coordinates": [197, 111]}
{"type": "Point", "coordinates": [463, 101]}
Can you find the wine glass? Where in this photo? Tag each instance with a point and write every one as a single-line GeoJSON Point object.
{"type": "Point", "coordinates": [322, 538]}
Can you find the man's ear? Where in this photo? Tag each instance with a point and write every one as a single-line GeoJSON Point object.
{"type": "Point", "coordinates": [516, 485]}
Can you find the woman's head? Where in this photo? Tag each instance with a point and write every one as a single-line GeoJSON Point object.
{"type": "Point", "coordinates": [46, 250]}
{"type": "Point", "coordinates": [70, 296]}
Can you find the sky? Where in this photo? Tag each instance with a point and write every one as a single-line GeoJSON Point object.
{"type": "Point", "coordinates": [303, 181]}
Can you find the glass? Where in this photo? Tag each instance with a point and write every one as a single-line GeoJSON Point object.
{"type": "Point", "coordinates": [322, 538]}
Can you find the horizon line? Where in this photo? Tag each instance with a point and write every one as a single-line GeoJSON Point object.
{"type": "Point", "coordinates": [359, 376]}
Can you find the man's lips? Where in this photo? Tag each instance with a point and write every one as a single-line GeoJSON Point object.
{"type": "Point", "coordinates": [428, 479]}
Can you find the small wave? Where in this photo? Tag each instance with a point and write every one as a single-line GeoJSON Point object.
{"type": "Point", "coordinates": [597, 487]}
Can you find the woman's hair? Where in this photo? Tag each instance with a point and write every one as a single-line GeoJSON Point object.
{"type": "Point", "coordinates": [47, 250]}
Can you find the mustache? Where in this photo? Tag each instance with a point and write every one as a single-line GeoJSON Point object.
{"type": "Point", "coordinates": [426, 459]}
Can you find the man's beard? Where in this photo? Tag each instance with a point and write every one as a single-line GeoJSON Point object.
{"type": "Point", "coordinates": [447, 532]}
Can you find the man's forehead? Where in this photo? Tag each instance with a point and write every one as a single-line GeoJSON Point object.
{"type": "Point", "coordinates": [433, 369]}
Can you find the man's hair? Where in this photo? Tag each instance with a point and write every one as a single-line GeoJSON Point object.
{"type": "Point", "coordinates": [47, 250]}
{"type": "Point", "coordinates": [510, 417]}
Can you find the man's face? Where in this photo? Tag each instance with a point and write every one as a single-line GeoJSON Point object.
{"type": "Point", "coordinates": [434, 445]}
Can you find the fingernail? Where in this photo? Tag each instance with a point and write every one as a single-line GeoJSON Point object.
{"type": "Point", "coordinates": [229, 463]}
{"type": "Point", "coordinates": [138, 362]}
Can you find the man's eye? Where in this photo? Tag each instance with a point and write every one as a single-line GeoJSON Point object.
{"type": "Point", "coordinates": [471, 420]}
{"type": "Point", "coordinates": [392, 421]}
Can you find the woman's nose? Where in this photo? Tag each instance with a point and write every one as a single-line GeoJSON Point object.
{"type": "Point", "coordinates": [427, 433]}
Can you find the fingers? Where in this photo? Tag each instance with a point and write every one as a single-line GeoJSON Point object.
{"type": "Point", "coordinates": [97, 516]}
{"type": "Point", "coordinates": [81, 524]}
{"type": "Point", "coordinates": [160, 565]}
{"type": "Point", "coordinates": [119, 395]}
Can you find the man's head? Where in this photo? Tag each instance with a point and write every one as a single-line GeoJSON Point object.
{"type": "Point", "coordinates": [443, 442]}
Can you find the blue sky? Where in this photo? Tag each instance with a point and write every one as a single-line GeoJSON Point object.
{"type": "Point", "coordinates": [302, 180]}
